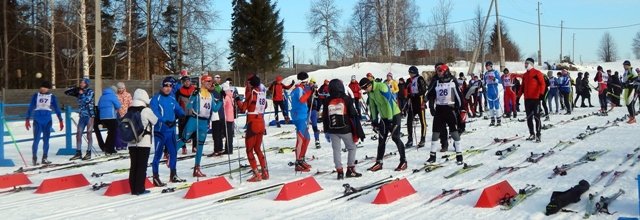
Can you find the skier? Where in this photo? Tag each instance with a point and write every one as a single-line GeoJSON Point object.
{"type": "Point", "coordinates": [564, 85]}
{"type": "Point", "coordinates": [167, 110]}
{"type": "Point", "coordinates": [543, 98]}
{"type": "Point", "coordinates": [124, 98]}
{"type": "Point", "coordinates": [491, 80]}
{"type": "Point", "coordinates": [341, 123]}
{"type": "Point", "coordinates": [472, 95]}
{"type": "Point", "coordinates": [218, 121]}
{"type": "Point", "coordinates": [445, 105]}
{"type": "Point", "coordinates": [254, 104]}
{"type": "Point", "coordinates": [357, 96]}
{"type": "Point", "coordinates": [183, 95]}
{"type": "Point", "coordinates": [553, 93]}
{"type": "Point", "coordinates": [615, 87]}
{"type": "Point", "coordinates": [383, 107]}
{"type": "Point", "coordinates": [108, 106]}
{"type": "Point", "coordinates": [416, 87]}
{"type": "Point", "coordinates": [86, 110]}
{"type": "Point", "coordinates": [202, 107]}
{"type": "Point", "coordinates": [277, 90]}
{"type": "Point", "coordinates": [393, 84]}
{"type": "Point", "coordinates": [601, 78]}
{"type": "Point", "coordinates": [586, 90]}
{"type": "Point", "coordinates": [509, 94]}
{"type": "Point", "coordinates": [402, 96]}
{"type": "Point", "coordinates": [315, 104]}
{"type": "Point", "coordinates": [628, 79]}
{"type": "Point", "coordinates": [42, 104]}
{"type": "Point", "coordinates": [444, 133]}
{"type": "Point", "coordinates": [533, 87]}
{"type": "Point", "coordinates": [300, 116]}
{"type": "Point", "coordinates": [579, 91]}
{"type": "Point", "coordinates": [139, 152]}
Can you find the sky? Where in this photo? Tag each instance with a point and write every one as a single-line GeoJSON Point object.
{"type": "Point", "coordinates": [584, 18]}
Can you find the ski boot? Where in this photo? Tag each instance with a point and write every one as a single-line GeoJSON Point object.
{"type": "Point", "coordinates": [305, 164]}
{"type": "Point", "coordinates": [265, 174]}
{"type": "Point", "coordinates": [515, 114]}
{"type": "Point", "coordinates": [35, 161]}
{"type": "Point", "coordinates": [377, 166]}
{"type": "Point", "coordinates": [499, 122]}
{"type": "Point", "coordinates": [318, 144]}
{"type": "Point", "coordinates": [174, 178]}
{"type": "Point", "coordinates": [632, 120]}
{"type": "Point", "coordinates": [87, 156]}
{"type": "Point", "coordinates": [374, 137]}
{"type": "Point", "coordinates": [340, 173]}
{"type": "Point", "coordinates": [300, 167]}
{"type": "Point", "coordinates": [45, 161]}
{"type": "Point", "coordinates": [257, 177]}
{"type": "Point", "coordinates": [538, 138]}
{"type": "Point", "coordinates": [421, 143]}
{"type": "Point", "coordinates": [351, 172]}
{"type": "Point", "coordinates": [402, 166]}
{"type": "Point", "coordinates": [409, 143]}
{"type": "Point", "coordinates": [278, 123]}
{"type": "Point", "coordinates": [546, 118]}
{"type": "Point", "coordinates": [197, 172]}
{"type": "Point", "coordinates": [432, 157]}
{"type": "Point", "coordinates": [531, 137]}
{"type": "Point", "coordinates": [459, 158]}
{"type": "Point", "coordinates": [287, 120]}
{"type": "Point", "coordinates": [493, 123]}
{"type": "Point", "coordinates": [77, 156]}
{"type": "Point", "coordinates": [157, 182]}
{"type": "Point", "coordinates": [184, 151]}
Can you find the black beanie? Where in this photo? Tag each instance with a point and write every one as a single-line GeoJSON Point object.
{"type": "Point", "coordinates": [46, 84]}
{"type": "Point", "coordinates": [530, 60]}
{"type": "Point", "coordinates": [364, 82]}
{"type": "Point", "coordinates": [254, 81]}
{"type": "Point", "coordinates": [303, 76]}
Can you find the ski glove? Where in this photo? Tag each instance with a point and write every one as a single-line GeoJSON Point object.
{"type": "Point", "coordinates": [432, 111]}
{"type": "Point", "coordinates": [326, 135]}
{"type": "Point", "coordinates": [27, 124]}
{"type": "Point", "coordinates": [61, 125]}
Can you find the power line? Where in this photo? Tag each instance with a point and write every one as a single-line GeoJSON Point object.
{"type": "Point", "coordinates": [572, 28]}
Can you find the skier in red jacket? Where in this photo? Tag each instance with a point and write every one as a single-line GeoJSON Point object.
{"type": "Point", "coordinates": [254, 105]}
{"type": "Point", "coordinates": [533, 88]}
{"type": "Point", "coordinates": [277, 89]}
{"type": "Point", "coordinates": [355, 88]}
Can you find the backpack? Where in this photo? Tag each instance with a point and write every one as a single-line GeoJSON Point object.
{"type": "Point", "coordinates": [338, 116]}
{"type": "Point", "coordinates": [560, 200]}
{"type": "Point", "coordinates": [130, 127]}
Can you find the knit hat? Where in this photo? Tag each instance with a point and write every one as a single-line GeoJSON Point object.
{"type": "Point", "coordinates": [168, 81]}
{"type": "Point", "coordinates": [505, 70]}
{"type": "Point", "coordinates": [120, 85]}
{"type": "Point", "coordinates": [364, 83]}
{"type": "Point", "coordinates": [353, 77]}
{"type": "Point", "coordinates": [413, 70]}
{"type": "Point", "coordinates": [461, 74]}
{"type": "Point", "coordinates": [599, 68]}
{"type": "Point", "coordinates": [184, 72]}
{"type": "Point", "coordinates": [87, 81]}
{"type": "Point", "coordinates": [303, 76]}
{"type": "Point", "coordinates": [626, 62]}
{"type": "Point", "coordinates": [369, 75]}
{"type": "Point", "coordinates": [254, 81]}
{"type": "Point", "coordinates": [184, 78]}
{"type": "Point", "coordinates": [488, 63]}
{"type": "Point", "coordinates": [530, 60]}
{"type": "Point", "coordinates": [390, 74]}
{"type": "Point", "coordinates": [46, 84]}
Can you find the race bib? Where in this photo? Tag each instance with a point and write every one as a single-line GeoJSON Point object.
{"type": "Point", "coordinates": [261, 102]}
{"type": "Point", "coordinates": [506, 81]}
{"type": "Point", "coordinates": [205, 107]}
{"type": "Point", "coordinates": [444, 96]}
{"type": "Point", "coordinates": [337, 112]}
{"type": "Point", "coordinates": [43, 102]}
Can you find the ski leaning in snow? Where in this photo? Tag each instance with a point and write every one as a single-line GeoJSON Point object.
{"type": "Point", "coordinates": [444, 193]}
{"type": "Point", "coordinates": [44, 166]}
{"type": "Point", "coordinates": [506, 152]}
{"type": "Point", "coordinates": [19, 189]}
{"type": "Point", "coordinates": [367, 191]}
{"type": "Point", "coordinates": [465, 168]}
{"type": "Point", "coordinates": [252, 193]}
{"type": "Point", "coordinates": [601, 176]}
{"type": "Point", "coordinates": [506, 170]}
{"type": "Point", "coordinates": [589, 156]}
{"type": "Point", "coordinates": [528, 190]}
{"type": "Point", "coordinates": [615, 177]}
{"type": "Point", "coordinates": [602, 204]}
{"type": "Point", "coordinates": [459, 194]}
{"type": "Point", "coordinates": [349, 190]}
{"type": "Point", "coordinates": [630, 156]}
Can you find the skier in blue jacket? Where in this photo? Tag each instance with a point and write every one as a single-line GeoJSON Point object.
{"type": "Point", "coordinates": [201, 107]}
{"type": "Point", "coordinates": [167, 109]}
{"type": "Point", "coordinates": [492, 81]}
{"type": "Point", "coordinates": [300, 116]}
{"type": "Point", "coordinates": [85, 98]}
{"type": "Point", "coordinates": [42, 104]}
{"type": "Point", "coordinates": [108, 106]}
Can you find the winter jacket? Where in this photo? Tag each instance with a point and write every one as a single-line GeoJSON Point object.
{"type": "Point", "coordinates": [149, 119]}
{"type": "Point", "coordinates": [125, 101]}
{"type": "Point", "coordinates": [564, 84]}
{"type": "Point", "coordinates": [183, 95]}
{"type": "Point", "coordinates": [614, 84]}
{"type": "Point", "coordinates": [491, 80]}
{"type": "Point", "coordinates": [197, 104]}
{"type": "Point", "coordinates": [339, 115]}
{"type": "Point", "coordinates": [218, 114]}
{"type": "Point", "coordinates": [578, 85]}
{"type": "Point", "coordinates": [108, 105]}
{"type": "Point", "coordinates": [586, 89]}
{"type": "Point", "coordinates": [601, 79]}
{"type": "Point", "coordinates": [227, 105]}
{"type": "Point", "coordinates": [277, 88]}
{"type": "Point", "coordinates": [85, 100]}
{"type": "Point", "coordinates": [553, 85]}
{"type": "Point", "coordinates": [378, 103]}
{"type": "Point", "coordinates": [299, 99]}
{"type": "Point", "coordinates": [167, 109]}
{"type": "Point", "coordinates": [355, 88]}
{"type": "Point", "coordinates": [456, 93]}
{"type": "Point", "coordinates": [533, 85]}
{"type": "Point", "coordinates": [41, 106]}
{"type": "Point", "coordinates": [416, 86]}
{"type": "Point", "coordinates": [402, 91]}
{"type": "Point", "coordinates": [628, 78]}
{"type": "Point", "coordinates": [393, 85]}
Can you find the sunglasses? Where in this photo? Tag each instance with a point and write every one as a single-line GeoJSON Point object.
{"type": "Point", "coordinates": [365, 86]}
{"type": "Point", "coordinates": [167, 84]}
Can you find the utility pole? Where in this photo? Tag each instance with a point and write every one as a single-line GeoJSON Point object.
{"type": "Point", "coordinates": [539, 38]}
{"type": "Point", "coordinates": [98, 51]}
{"type": "Point", "coordinates": [477, 49]}
{"type": "Point", "coordinates": [573, 49]}
{"type": "Point", "coordinates": [561, 29]}
{"type": "Point", "coordinates": [500, 50]}
{"type": "Point", "coordinates": [294, 60]}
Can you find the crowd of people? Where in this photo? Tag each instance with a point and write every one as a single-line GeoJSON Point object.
{"type": "Point", "coordinates": [181, 112]}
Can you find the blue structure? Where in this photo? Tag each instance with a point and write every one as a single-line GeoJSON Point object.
{"type": "Point", "coordinates": [3, 162]}
{"type": "Point", "coordinates": [68, 149]}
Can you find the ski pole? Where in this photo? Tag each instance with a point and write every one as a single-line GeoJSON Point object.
{"type": "Point", "coordinates": [14, 142]}
{"type": "Point", "coordinates": [229, 146]}
{"type": "Point", "coordinates": [239, 171]}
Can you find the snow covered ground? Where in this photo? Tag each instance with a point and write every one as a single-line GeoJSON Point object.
{"type": "Point", "coordinates": [619, 140]}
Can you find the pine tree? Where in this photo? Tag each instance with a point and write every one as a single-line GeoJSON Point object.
{"type": "Point", "coordinates": [511, 50]}
{"type": "Point", "coordinates": [169, 33]}
{"type": "Point", "coordinates": [257, 36]}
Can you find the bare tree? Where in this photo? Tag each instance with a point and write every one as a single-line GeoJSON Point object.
{"type": "Point", "coordinates": [53, 43]}
{"type": "Point", "coordinates": [607, 50]}
{"type": "Point", "coordinates": [636, 45]}
{"type": "Point", "coordinates": [84, 38]}
{"type": "Point", "coordinates": [322, 19]}
{"type": "Point", "coordinates": [381, 24]}
{"type": "Point", "coordinates": [475, 33]}
{"type": "Point", "coordinates": [363, 24]}
{"type": "Point", "coordinates": [443, 36]}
